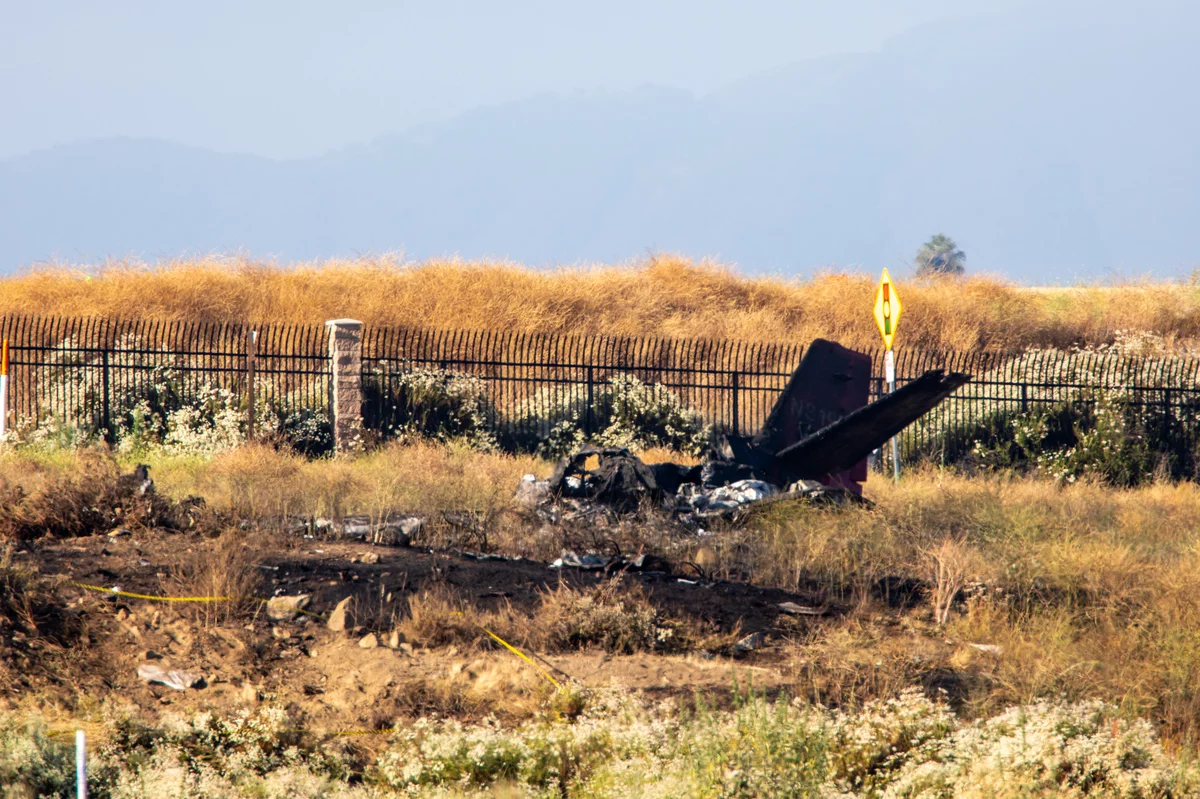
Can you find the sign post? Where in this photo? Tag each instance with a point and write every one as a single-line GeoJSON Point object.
{"type": "Point", "coordinates": [887, 316]}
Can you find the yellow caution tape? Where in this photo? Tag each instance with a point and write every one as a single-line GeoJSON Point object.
{"type": "Point", "coordinates": [153, 598]}
{"type": "Point", "coordinates": [117, 592]}
{"type": "Point", "coordinates": [521, 655]}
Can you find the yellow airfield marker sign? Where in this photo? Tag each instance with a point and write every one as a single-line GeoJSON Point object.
{"type": "Point", "coordinates": [887, 316]}
{"type": "Point", "coordinates": [887, 309]}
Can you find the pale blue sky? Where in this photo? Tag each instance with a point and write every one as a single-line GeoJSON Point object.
{"type": "Point", "coordinates": [293, 78]}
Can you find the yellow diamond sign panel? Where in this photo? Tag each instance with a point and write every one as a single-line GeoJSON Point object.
{"type": "Point", "coordinates": [887, 309]}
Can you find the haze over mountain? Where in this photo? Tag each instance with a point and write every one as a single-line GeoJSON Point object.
{"type": "Point", "coordinates": [1055, 142]}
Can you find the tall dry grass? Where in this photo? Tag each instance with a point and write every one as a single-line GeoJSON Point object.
{"type": "Point", "coordinates": [664, 295]}
{"type": "Point", "coordinates": [1018, 588]}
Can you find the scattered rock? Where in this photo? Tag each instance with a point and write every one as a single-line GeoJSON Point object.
{"type": "Point", "coordinates": [337, 619]}
{"type": "Point", "coordinates": [750, 643]}
{"type": "Point", "coordinates": [179, 680]}
{"type": "Point", "coordinates": [280, 634]}
{"type": "Point", "coordinates": [393, 640]}
{"type": "Point", "coordinates": [120, 531]}
{"type": "Point", "coordinates": [284, 608]}
{"type": "Point", "coordinates": [229, 638]}
{"type": "Point", "coordinates": [369, 558]}
{"type": "Point", "coordinates": [369, 641]}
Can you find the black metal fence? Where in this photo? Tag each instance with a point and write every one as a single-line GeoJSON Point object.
{"type": "Point", "coordinates": [95, 373]}
{"type": "Point", "coordinates": [89, 372]}
{"type": "Point", "coordinates": [534, 381]}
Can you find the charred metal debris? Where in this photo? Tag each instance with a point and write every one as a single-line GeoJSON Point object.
{"type": "Point", "coordinates": [814, 445]}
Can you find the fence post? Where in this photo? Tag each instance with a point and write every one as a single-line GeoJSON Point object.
{"type": "Point", "coordinates": [345, 386]}
{"type": "Point", "coordinates": [251, 355]}
{"type": "Point", "coordinates": [106, 401]}
{"type": "Point", "coordinates": [590, 424]}
{"type": "Point", "coordinates": [736, 391]}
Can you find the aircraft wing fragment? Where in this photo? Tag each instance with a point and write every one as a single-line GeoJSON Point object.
{"type": "Point", "coordinates": [850, 439]}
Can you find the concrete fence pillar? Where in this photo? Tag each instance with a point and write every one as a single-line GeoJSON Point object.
{"type": "Point", "coordinates": [345, 387]}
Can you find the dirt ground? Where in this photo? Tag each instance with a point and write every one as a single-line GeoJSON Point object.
{"type": "Point", "coordinates": [326, 677]}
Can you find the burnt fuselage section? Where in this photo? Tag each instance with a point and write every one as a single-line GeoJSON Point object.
{"type": "Point", "coordinates": [821, 429]}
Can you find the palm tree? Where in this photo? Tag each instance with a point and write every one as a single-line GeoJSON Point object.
{"type": "Point", "coordinates": [940, 256]}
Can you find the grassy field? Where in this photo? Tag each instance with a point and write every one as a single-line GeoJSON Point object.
{"type": "Point", "coordinates": [1012, 591]}
{"type": "Point", "coordinates": [661, 296]}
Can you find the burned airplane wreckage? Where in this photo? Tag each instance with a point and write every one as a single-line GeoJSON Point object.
{"type": "Point", "coordinates": [815, 442]}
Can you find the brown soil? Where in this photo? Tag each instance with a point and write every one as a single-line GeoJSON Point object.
{"type": "Point", "coordinates": [326, 678]}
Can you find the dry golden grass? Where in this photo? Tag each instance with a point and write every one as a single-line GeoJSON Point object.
{"type": "Point", "coordinates": [1070, 591]}
{"type": "Point", "coordinates": [258, 482]}
{"type": "Point", "coordinates": [1079, 591]}
{"type": "Point", "coordinates": [663, 296]}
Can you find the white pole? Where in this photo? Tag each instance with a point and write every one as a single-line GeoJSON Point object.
{"type": "Point", "coordinates": [3, 405]}
{"type": "Point", "coordinates": [889, 369]}
{"type": "Point", "coordinates": [80, 764]}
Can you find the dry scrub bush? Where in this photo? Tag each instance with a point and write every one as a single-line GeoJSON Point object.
{"type": "Point", "coordinates": [948, 567]}
{"type": "Point", "coordinates": [225, 567]}
{"type": "Point", "coordinates": [55, 498]}
{"type": "Point", "coordinates": [260, 483]}
{"type": "Point", "coordinates": [663, 295]}
{"type": "Point", "coordinates": [613, 616]}
{"type": "Point", "coordinates": [1085, 592]}
{"type": "Point", "coordinates": [440, 617]}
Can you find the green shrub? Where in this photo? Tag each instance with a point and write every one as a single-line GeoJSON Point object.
{"type": "Point", "coordinates": [32, 763]}
{"type": "Point", "coordinates": [1109, 438]}
{"type": "Point", "coordinates": [439, 404]}
{"type": "Point", "coordinates": [151, 403]}
{"type": "Point", "coordinates": [626, 413]}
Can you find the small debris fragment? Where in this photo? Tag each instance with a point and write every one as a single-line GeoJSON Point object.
{"type": "Point", "coordinates": [750, 642]}
{"type": "Point", "coordinates": [179, 680]}
{"type": "Point", "coordinates": [369, 558]}
{"type": "Point", "coordinates": [792, 609]}
{"type": "Point", "coordinates": [398, 532]}
{"type": "Point", "coordinates": [989, 648]}
{"type": "Point", "coordinates": [532, 492]}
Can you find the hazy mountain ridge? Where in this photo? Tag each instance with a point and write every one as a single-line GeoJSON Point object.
{"type": "Point", "coordinates": [1050, 147]}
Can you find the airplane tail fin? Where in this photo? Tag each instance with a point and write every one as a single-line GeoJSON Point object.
{"type": "Point", "coordinates": [848, 440]}
{"type": "Point", "coordinates": [830, 383]}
